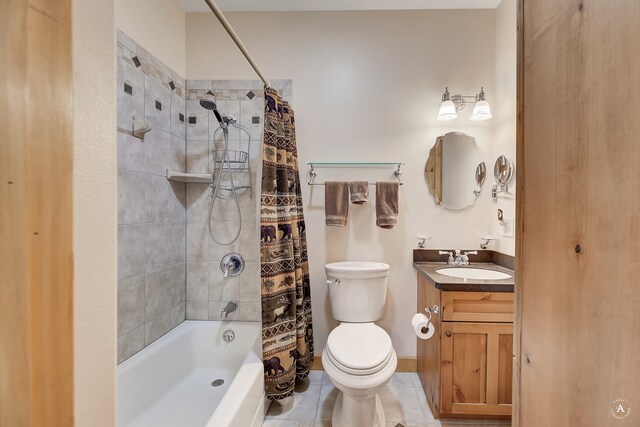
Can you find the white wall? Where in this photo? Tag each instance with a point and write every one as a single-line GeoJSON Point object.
{"type": "Point", "coordinates": [367, 87]}
{"type": "Point", "coordinates": [94, 212]}
{"type": "Point", "coordinates": [158, 26]}
{"type": "Point", "coordinates": [504, 117]}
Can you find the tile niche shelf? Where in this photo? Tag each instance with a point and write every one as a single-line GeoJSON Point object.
{"type": "Point", "coordinates": [189, 177]}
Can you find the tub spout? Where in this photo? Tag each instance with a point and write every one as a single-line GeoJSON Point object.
{"type": "Point", "coordinates": [228, 309]}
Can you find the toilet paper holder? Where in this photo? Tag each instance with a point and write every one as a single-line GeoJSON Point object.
{"type": "Point", "coordinates": [431, 311]}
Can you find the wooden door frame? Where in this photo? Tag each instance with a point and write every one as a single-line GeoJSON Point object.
{"type": "Point", "coordinates": [519, 223]}
{"type": "Point", "coordinates": [36, 259]}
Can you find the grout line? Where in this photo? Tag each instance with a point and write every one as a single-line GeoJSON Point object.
{"type": "Point", "coordinates": [315, 416]}
{"type": "Point", "coordinates": [166, 266]}
{"type": "Point", "coordinates": [422, 410]}
{"type": "Point", "coordinates": [155, 223]}
{"type": "Point", "coordinates": [129, 278]}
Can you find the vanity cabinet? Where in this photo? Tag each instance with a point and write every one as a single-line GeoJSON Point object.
{"type": "Point", "coordinates": [466, 367]}
{"type": "Point", "coordinates": [476, 368]}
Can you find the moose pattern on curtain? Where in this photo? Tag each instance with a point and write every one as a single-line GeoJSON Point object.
{"type": "Point", "coordinates": [287, 332]}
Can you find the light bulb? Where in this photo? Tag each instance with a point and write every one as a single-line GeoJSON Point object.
{"type": "Point", "coordinates": [447, 111]}
{"type": "Point", "coordinates": [481, 111]}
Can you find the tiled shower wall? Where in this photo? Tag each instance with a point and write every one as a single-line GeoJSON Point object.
{"type": "Point", "coordinates": [208, 291]}
{"type": "Point", "coordinates": [168, 266]}
{"type": "Point", "coordinates": [151, 209]}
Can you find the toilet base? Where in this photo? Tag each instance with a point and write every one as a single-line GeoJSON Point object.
{"type": "Point", "coordinates": [349, 412]}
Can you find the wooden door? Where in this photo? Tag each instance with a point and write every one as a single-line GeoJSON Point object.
{"type": "Point", "coordinates": [578, 238]}
{"type": "Point", "coordinates": [36, 275]}
{"type": "Point", "coordinates": [476, 368]}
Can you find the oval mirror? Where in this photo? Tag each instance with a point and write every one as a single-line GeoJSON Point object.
{"type": "Point", "coordinates": [455, 171]}
{"type": "Point", "coordinates": [503, 170]}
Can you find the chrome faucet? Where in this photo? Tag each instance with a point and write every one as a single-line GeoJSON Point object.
{"type": "Point", "coordinates": [464, 258]}
{"type": "Point", "coordinates": [450, 261]}
{"type": "Point", "coordinates": [228, 309]}
{"type": "Point", "coordinates": [227, 267]}
{"type": "Point", "coordinates": [459, 259]}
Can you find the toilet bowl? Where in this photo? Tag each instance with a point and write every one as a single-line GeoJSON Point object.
{"type": "Point", "coordinates": [359, 357]}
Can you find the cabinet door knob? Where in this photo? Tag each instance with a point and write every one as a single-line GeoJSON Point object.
{"type": "Point", "coordinates": [448, 333]}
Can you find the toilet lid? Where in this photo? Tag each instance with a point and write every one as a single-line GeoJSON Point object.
{"type": "Point", "coordinates": [359, 347]}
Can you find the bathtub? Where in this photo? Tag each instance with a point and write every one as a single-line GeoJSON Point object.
{"type": "Point", "coordinates": [168, 384]}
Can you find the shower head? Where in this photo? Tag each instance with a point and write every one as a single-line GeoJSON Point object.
{"type": "Point", "coordinates": [208, 102]}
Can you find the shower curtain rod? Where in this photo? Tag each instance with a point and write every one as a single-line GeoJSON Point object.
{"type": "Point", "coordinates": [216, 11]}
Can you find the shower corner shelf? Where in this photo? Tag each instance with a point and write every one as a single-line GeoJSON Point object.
{"type": "Point", "coordinates": [204, 178]}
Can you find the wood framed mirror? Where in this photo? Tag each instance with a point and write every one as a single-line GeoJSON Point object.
{"type": "Point", "coordinates": [455, 171]}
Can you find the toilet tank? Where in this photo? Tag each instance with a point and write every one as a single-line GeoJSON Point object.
{"type": "Point", "coordinates": [357, 290]}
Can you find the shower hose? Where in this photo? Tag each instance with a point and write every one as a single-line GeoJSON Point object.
{"type": "Point", "coordinates": [216, 187]}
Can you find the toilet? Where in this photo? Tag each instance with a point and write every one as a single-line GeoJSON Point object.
{"type": "Point", "coordinates": [359, 357]}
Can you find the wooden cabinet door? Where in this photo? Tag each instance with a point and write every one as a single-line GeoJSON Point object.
{"type": "Point", "coordinates": [429, 350]}
{"type": "Point", "coordinates": [476, 362]}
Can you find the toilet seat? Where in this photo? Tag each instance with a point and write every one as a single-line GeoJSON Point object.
{"type": "Point", "coordinates": [359, 348]}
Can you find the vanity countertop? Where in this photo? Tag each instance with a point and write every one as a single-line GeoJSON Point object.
{"type": "Point", "coordinates": [446, 283]}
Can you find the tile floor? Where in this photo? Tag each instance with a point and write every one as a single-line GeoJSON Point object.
{"type": "Point", "coordinates": [403, 399]}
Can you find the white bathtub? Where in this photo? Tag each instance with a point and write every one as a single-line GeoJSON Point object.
{"type": "Point", "coordinates": [168, 384]}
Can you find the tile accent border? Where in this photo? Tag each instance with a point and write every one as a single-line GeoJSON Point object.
{"type": "Point", "coordinates": [227, 94]}
{"type": "Point", "coordinates": [236, 90]}
{"type": "Point", "coordinates": [137, 56]}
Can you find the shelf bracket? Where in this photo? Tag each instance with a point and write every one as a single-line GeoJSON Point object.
{"type": "Point", "coordinates": [312, 175]}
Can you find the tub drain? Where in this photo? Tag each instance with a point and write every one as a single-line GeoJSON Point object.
{"type": "Point", "coordinates": [218, 382]}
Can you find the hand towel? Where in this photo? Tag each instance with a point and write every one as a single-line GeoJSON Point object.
{"type": "Point", "coordinates": [336, 203]}
{"type": "Point", "coordinates": [359, 191]}
{"type": "Point", "coordinates": [386, 204]}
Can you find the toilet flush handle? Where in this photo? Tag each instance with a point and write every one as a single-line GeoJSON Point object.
{"type": "Point", "coordinates": [333, 282]}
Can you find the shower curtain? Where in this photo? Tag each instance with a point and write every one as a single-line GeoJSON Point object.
{"type": "Point", "coordinates": [287, 331]}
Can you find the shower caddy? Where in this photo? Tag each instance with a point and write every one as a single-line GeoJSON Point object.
{"type": "Point", "coordinates": [236, 164]}
{"type": "Point", "coordinates": [239, 164]}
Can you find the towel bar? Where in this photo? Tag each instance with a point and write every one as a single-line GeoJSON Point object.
{"type": "Point", "coordinates": [322, 183]}
{"type": "Point", "coordinates": [313, 173]}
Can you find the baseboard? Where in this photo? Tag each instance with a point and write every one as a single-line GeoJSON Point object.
{"type": "Point", "coordinates": [317, 364]}
{"type": "Point", "coordinates": [405, 364]}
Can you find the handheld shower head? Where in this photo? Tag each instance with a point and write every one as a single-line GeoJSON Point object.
{"type": "Point", "coordinates": [208, 102]}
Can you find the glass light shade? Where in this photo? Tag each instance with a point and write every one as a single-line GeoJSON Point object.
{"type": "Point", "coordinates": [481, 111]}
{"type": "Point", "coordinates": [447, 111]}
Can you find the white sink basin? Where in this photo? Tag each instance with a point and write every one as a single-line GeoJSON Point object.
{"type": "Point", "coordinates": [473, 273]}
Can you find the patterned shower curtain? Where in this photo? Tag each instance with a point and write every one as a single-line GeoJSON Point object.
{"type": "Point", "coordinates": [287, 331]}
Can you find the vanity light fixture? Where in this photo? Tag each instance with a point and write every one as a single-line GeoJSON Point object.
{"type": "Point", "coordinates": [451, 104]}
{"type": "Point", "coordinates": [481, 111]}
{"type": "Point", "coordinates": [448, 110]}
